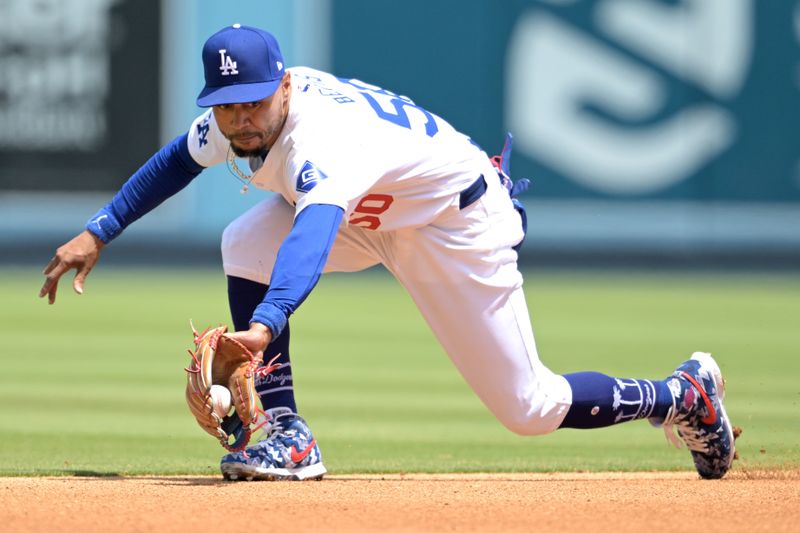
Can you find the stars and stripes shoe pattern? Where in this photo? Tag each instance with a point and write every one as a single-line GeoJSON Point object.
{"type": "Point", "coordinates": [699, 417]}
{"type": "Point", "coordinates": [288, 451]}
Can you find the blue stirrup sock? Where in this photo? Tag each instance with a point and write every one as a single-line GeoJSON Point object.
{"type": "Point", "coordinates": [275, 389]}
{"type": "Point", "coordinates": [599, 400]}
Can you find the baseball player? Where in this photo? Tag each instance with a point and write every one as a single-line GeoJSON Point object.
{"type": "Point", "coordinates": [364, 176]}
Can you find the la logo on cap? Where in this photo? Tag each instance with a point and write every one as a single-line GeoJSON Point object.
{"type": "Point", "coordinates": [240, 64]}
{"type": "Point", "coordinates": [226, 64]}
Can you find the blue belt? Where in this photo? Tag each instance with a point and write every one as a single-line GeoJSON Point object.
{"type": "Point", "coordinates": [471, 194]}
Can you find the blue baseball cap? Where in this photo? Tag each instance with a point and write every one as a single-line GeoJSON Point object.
{"type": "Point", "coordinates": [242, 64]}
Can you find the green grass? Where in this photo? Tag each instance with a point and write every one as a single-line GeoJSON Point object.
{"type": "Point", "coordinates": [94, 385]}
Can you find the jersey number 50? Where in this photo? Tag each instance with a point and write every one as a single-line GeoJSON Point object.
{"type": "Point", "coordinates": [369, 207]}
{"type": "Point", "coordinates": [400, 116]}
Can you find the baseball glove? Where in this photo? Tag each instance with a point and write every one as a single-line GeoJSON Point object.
{"type": "Point", "coordinates": [221, 360]}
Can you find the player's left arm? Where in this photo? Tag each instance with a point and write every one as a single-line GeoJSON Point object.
{"type": "Point", "coordinates": [298, 266]}
{"type": "Point", "coordinates": [171, 169]}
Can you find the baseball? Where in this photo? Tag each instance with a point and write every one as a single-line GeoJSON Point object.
{"type": "Point", "coordinates": [221, 397]}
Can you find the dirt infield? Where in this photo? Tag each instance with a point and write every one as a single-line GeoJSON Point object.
{"type": "Point", "coordinates": [744, 501]}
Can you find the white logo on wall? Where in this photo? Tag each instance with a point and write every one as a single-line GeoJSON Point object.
{"type": "Point", "coordinates": [226, 64]}
{"type": "Point", "coordinates": [556, 74]}
{"type": "Point", "coordinates": [56, 76]}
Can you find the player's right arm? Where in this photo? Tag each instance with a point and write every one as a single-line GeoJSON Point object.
{"type": "Point", "coordinates": [171, 169]}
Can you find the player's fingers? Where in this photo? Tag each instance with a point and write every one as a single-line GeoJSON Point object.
{"type": "Point", "coordinates": [51, 281]}
{"type": "Point", "coordinates": [51, 293]}
{"type": "Point", "coordinates": [51, 265]}
{"type": "Point", "coordinates": [77, 284]}
{"type": "Point", "coordinates": [80, 279]}
{"type": "Point", "coordinates": [251, 342]}
{"type": "Point", "coordinates": [47, 285]}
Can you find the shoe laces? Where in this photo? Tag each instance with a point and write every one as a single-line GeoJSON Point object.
{"type": "Point", "coordinates": [270, 429]}
{"type": "Point", "coordinates": [694, 437]}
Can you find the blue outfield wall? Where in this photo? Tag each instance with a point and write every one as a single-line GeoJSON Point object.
{"type": "Point", "coordinates": [660, 127]}
{"type": "Point", "coordinates": [645, 125]}
{"type": "Point", "coordinates": [608, 99]}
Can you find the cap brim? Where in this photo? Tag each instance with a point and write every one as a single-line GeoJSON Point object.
{"type": "Point", "coordinates": [237, 94]}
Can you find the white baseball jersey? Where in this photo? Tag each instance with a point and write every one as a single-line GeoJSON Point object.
{"type": "Point", "coordinates": [404, 168]}
{"type": "Point", "coordinates": [398, 171]}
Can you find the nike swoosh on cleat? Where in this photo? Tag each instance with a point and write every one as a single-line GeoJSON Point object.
{"type": "Point", "coordinates": [298, 456]}
{"type": "Point", "coordinates": [711, 416]}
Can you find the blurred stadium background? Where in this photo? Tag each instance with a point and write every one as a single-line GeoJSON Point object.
{"type": "Point", "coordinates": [660, 135]}
{"type": "Point", "coordinates": [657, 132]}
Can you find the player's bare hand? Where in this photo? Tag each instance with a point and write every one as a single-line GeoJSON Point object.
{"type": "Point", "coordinates": [255, 339]}
{"type": "Point", "coordinates": [81, 253]}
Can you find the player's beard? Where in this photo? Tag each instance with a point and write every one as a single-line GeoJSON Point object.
{"type": "Point", "coordinates": [251, 152]}
{"type": "Point", "coordinates": [271, 133]}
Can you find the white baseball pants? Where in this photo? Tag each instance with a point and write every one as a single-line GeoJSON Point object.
{"type": "Point", "coordinates": [462, 274]}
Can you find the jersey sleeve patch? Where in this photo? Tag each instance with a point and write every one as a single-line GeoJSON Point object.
{"type": "Point", "coordinates": [308, 177]}
{"type": "Point", "coordinates": [207, 145]}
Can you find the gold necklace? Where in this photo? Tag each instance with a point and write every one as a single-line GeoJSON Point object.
{"type": "Point", "coordinates": [234, 169]}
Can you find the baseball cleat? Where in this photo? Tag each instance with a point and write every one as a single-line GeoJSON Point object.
{"type": "Point", "coordinates": [699, 417]}
{"type": "Point", "coordinates": [287, 452]}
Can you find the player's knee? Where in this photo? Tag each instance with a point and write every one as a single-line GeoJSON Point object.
{"type": "Point", "coordinates": [243, 255]}
{"type": "Point", "coordinates": [230, 236]}
{"type": "Point", "coordinates": [527, 425]}
{"type": "Point", "coordinates": [541, 410]}
{"type": "Point", "coordinates": [240, 242]}
{"type": "Point", "coordinates": [252, 240]}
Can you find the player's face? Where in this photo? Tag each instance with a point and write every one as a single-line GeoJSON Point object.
{"type": "Point", "coordinates": [252, 128]}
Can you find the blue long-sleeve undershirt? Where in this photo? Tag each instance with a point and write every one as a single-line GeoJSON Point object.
{"type": "Point", "coordinates": [299, 264]}
{"type": "Point", "coordinates": [300, 259]}
{"type": "Point", "coordinates": [171, 169]}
